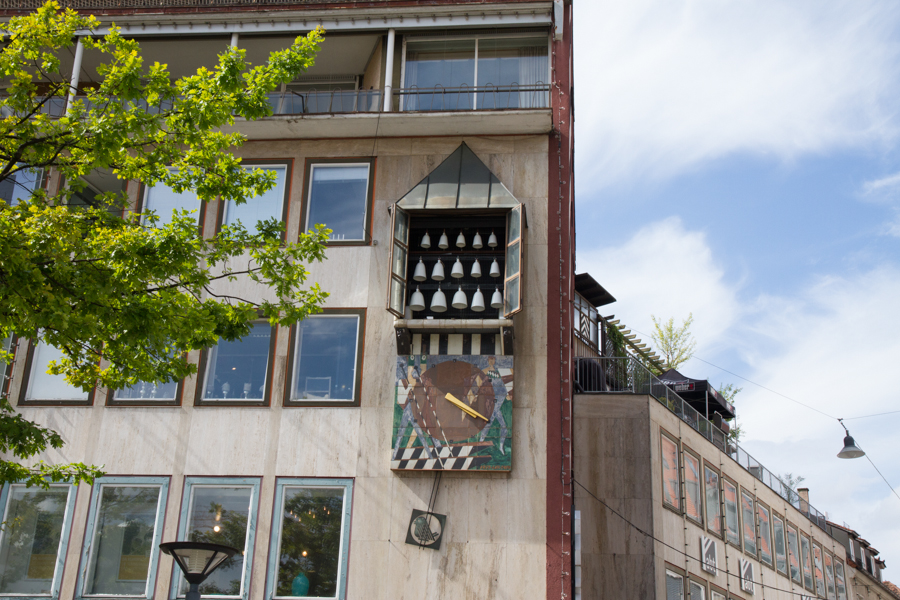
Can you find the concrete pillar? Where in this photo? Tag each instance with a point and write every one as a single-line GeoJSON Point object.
{"type": "Point", "coordinates": [389, 70]}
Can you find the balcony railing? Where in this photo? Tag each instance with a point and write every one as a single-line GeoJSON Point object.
{"type": "Point", "coordinates": [627, 375]}
{"type": "Point", "coordinates": [314, 101]}
{"type": "Point", "coordinates": [487, 97]}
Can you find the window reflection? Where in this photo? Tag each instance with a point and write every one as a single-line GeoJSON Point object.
{"type": "Point", "coordinates": [325, 358]}
{"type": "Point", "coordinates": [236, 370]}
{"type": "Point", "coordinates": [338, 198]}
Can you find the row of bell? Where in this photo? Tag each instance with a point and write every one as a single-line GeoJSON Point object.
{"type": "Point", "coordinates": [439, 300]}
{"type": "Point", "coordinates": [444, 243]}
{"type": "Point", "coordinates": [456, 272]}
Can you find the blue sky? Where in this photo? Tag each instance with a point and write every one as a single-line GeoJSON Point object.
{"type": "Point", "coordinates": [740, 160]}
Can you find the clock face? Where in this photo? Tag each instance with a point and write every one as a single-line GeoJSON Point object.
{"type": "Point", "coordinates": [441, 418]}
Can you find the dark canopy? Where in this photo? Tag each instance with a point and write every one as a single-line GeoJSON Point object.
{"type": "Point", "coordinates": [697, 392]}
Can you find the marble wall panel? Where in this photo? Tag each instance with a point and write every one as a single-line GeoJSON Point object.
{"type": "Point", "coordinates": [227, 441]}
{"type": "Point", "coordinates": [154, 452]}
{"type": "Point", "coordinates": [368, 572]}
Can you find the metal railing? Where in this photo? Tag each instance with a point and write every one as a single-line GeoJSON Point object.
{"type": "Point", "coordinates": [486, 97]}
{"type": "Point", "coordinates": [292, 102]}
{"type": "Point", "coordinates": [627, 375]}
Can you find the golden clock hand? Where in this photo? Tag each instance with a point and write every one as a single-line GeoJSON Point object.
{"type": "Point", "coordinates": [463, 407]}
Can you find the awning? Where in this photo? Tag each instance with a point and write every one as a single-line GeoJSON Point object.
{"type": "Point", "coordinates": [697, 392]}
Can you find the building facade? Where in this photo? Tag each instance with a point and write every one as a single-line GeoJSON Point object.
{"type": "Point", "coordinates": [311, 448]}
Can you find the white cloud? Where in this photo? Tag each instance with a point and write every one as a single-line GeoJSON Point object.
{"type": "Point", "coordinates": [667, 271]}
{"type": "Point", "coordinates": [832, 345]}
{"type": "Point", "coordinates": [889, 183]}
{"type": "Point", "coordinates": [663, 86]}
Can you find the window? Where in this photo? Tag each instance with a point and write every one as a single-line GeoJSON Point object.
{"type": "Point", "coordinates": [819, 569]}
{"type": "Point", "coordinates": [238, 372]}
{"type": "Point", "coordinates": [327, 358]}
{"type": "Point", "coordinates": [34, 538]}
{"type": "Point", "coordinates": [44, 388]}
{"type": "Point", "coordinates": [163, 201]}
{"type": "Point", "coordinates": [697, 590]}
{"type": "Point", "coordinates": [765, 537]}
{"type": "Point", "coordinates": [794, 554]}
{"type": "Point", "coordinates": [829, 577]}
{"type": "Point", "coordinates": [778, 544]}
{"type": "Point", "coordinates": [806, 559]}
{"type": "Point", "coordinates": [220, 511]}
{"type": "Point", "coordinates": [732, 522]}
{"type": "Point", "coordinates": [749, 522]}
{"type": "Point", "coordinates": [714, 595]}
{"type": "Point", "coordinates": [671, 481]}
{"type": "Point", "coordinates": [713, 506]}
{"type": "Point", "coordinates": [6, 345]}
{"type": "Point", "coordinates": [459, 73]}
{"type": "Point", "coordinates": [339, 195]}
{"type": "Point", "coordinates": [674, 586]}
{"type": "Point", "coordinates": [271, 205]}
{"type": "Point", "coordinates": [692, 491]}
{"type": "Point", "coordinates": [308, 554]}
{"type": "Point", "coordinates": [124, 527]}
{"type": "Point", "coordinates": [839, 581]}
{"type": "Point", "coordinates": [21, 185]}
{"type": "Point", "coordinates": [147, 393]}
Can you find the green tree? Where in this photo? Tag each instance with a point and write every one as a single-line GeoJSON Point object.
{"type": "Point", "coordinates": [729, 391]}
{"type": "Point", "coordinates": [791, 481]}
{"type": "Point", "coordinates": [123, 296]}
{"type": "Point", "coordinates": [675, 344]}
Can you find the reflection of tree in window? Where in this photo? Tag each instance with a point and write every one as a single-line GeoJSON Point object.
{"type": "Point", "coordinates": [325, 365]}
{"type": "Point", "coordinates": [31, 536]}
{"type": "Point", "coordinates": [237, 370]}
{"type": "Point", "coordinates": [309, 556]}
{"type": "Point", "coordinates": [338, 196]}
{"type": "Point", "coordinates": [219, 515]}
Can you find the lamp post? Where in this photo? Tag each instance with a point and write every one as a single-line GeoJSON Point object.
{"type": "Point", "coordinates": [850, 450]}
{"type": "Point", "coordinates": [197, 561]}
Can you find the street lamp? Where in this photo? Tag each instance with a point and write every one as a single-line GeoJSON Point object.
{"type": "Point", "coordinates": [851, 450]}
{"type": "Point", "coordinates": [197, 561]}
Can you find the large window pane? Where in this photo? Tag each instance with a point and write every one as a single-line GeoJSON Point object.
{"type": "Point", "coordinates": [674, 586]}
{"type": "Point", "coordinates": [713, 509]}
{"type": "Point", "coordinates": [20, 186]}
{"type": "Point", "coordinates": [778, 545]}
{"type": "Point", "coordinates": [765, 544]}
{"type": "Point", "coordinates": [338, 198]}
{"type": "Point", "coordinates": [829, 577]}
{"type": "Point", "coordinates": [34, 521]}
{"type": "Point", "coordinates": [236, 371]}
{"type": "Point", "coordinates": [42, 385]}
{"type": "Point", "coordinates": [806, 556]}
{"type": "Point", "coordinates": [220, 515]}
{"type": "Point", "coordinates": [839, 580]}
{"type": "Point", "coordinates": [671, 493]}
{"type": "Point", "coordinates": [732, 526]}
{"type": "Point", "coordinates": [148, 390]}
{"type": "Point", "coordinates": [749, 522]}
{"type": "Point", "coordinates": [124, 540]}
{"type": "Point", "coordinates": [310, 542]}
{"type": "Point", "coordinates": [819, 569]}
{"type": "Point", "coordinates": [440, 75]}
{"type": "Point", "coordinates": [794, 551]}
{"type": "Point", "coordinates": [162, 200]}
{"type": "Point", "coordinates": [693, 498]}
{"type": "Point", "coordinates": [509, 72]}
{"type": "Point", "coordinates": [325, 358]}
{"type": "Point", "coordinates": [259, 208]}
{"type": "Point", "coordinates": [698, 592]}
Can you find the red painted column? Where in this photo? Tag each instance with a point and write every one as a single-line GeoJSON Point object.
{"type": "Point", "coordinates": [560, 290]}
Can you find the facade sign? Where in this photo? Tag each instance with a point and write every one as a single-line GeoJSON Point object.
{"type": "Point", "coordinates": [746, 576]}
{"type": "Point", "coordinates": [709, 555]}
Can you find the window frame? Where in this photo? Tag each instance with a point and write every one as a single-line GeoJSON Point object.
{"type": "Point", "coordinates": [737, 497]}
{"type": "Point", "coordinates": [371, 163]}
{"type": "Point", "coordinates": [702, 583]}
{"type": "Point", "coordinates": [685, 452]}
{"type": "Point", "coordinates": [144, 189]}
{"type": "Point", "coordinates": [817, 548]}
{"type": "Point", "coordinates": [665, 435]}
{"type": "Point", "coordinates": [145, 402]}
{"type": "Point", "coordinates": [676, 572]}
{"type": "Point", "coordinates": [203, 365]}
{"type": "Point", "coordinates": [828, 563]}
{"type": "Point", "coordinates": [90, 531]}
{"type": "Point", "coordinates": [719, 504]}
{"type": "Point", "coordinates": [803, 563]}
{"type": "Point", "coordinates": [26, 383]}
{"type": "Point", "coordinates": [281, 483]}
{"type": "Point", "coordinates": [762, 507]}
{"type": "Point", "coordinates": [7, 371]}
{"type": "Point", "coordinates": [360, 349]}
{"type": "Point", "coordinates": [714, 589]}
{"type": "Point", "coordinates": [42, 181]}
{"type": "Point", "coordinates": [254, 483]}
{"type": "Point", "coordinates": [787, 533]}
{"type": "Point", "coordinates": [752, 496]}
{"type": "Point", "coordinates": [64, 536]}
{"type": "Point", "coordinates": [261, 163]}
{"type": "Point", "coordinates": [787, 566]}
{"type": "Point", "coordinates": [843, 579]}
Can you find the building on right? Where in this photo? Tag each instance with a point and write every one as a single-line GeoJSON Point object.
{"type": "Point", "coordinates": [668, 507]}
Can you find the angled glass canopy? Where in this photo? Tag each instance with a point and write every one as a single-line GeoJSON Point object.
{"type": "Point", "coordinates": [461, 181]}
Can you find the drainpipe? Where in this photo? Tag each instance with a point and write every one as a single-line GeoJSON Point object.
{"type": "Point", "coordinates": [389, 71]}
{"type": "Point", "coordinates": [76, 74]}
{"type": "Point", "coordinates": [234, 39]}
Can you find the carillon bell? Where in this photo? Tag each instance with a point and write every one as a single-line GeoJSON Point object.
{"type": "Point", "coordinates": [476, 269]}
{"type": "Point", "coordinates": [457, 270]}
{"type": "Point", "coordinates": [443, 244]}
{"type": "Point", "coordinates": [439, 301]}
{"type": "Point", "coordinates": [459, 299]}
{"type": "Point", "coordinates": [417, 301]}
{"type": "Point", "coordinates": [492, 241]}
{"type": "Point", "coordinates": [497, 299]}
{"type": "Point", "coordinates": [460, 240]}
{"type": "Point", "coordinates": [426, 241]}
{"type": "Point", "coordinates": [476, 241]}
{"type": "Point", "coordinates": [478, 301]}
{"type": "Point", "coordinates": [438, 272]}
{"type": "Point", "coordinates": [420, 274]}
{"type": "Point", "coordinates": [495, 269]}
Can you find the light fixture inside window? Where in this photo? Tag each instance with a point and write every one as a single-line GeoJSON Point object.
{"type": "Point", "coordinates": [439, 301]}
{"type": "Point", "coordinates": [438, 272]}
{"type": "Point", "coordinates": [443, 244]}
{"type": "Point", "coordinates": [426, 241]}
{"type": "Point", "coordinates": [476, 241]}
{"type": "Point", "coordinates": [460, 240]}
{"type": "Point", "coordinates": [420, 273]}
